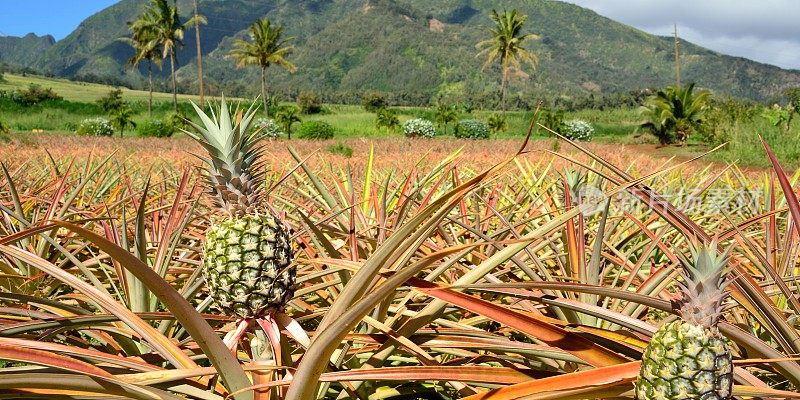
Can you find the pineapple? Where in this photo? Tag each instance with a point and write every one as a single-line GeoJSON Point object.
{"type": "Point", "coordinates": [688, 358]}
{"type": "Point", "coordinates": [247, 253]}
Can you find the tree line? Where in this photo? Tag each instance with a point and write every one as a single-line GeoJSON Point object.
{"type": "Point", "coordinates": [159, 31]}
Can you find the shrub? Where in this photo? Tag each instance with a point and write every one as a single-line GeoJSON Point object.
{"type": "Point", "coordinates": [35, 94]}
{"type": "Point", "coordinates": [387, 118]}
{"type": "Point", "coordinates": [178, 121]}
{"type": "Point", "coordinates": [155, 128]}
{"type": "Point", "coordinates": [316, 130]}
{"type": "Point", "coordinates": [112, 101]}
{"type": "Point", "coordinates": [419, 127]}
{"type": "Point", "coordinates": [497, 123]}
{"type": "Point", "coordinates": [341, 149]}
{"type": "Point", "coordinates": [374, 101]}
{"type": "Point", "coordinates": [309, 103]}
{"type": "Point", "coordinates": [578, 130]}
{"type": "Point", "coordinates": [471, 129]}
{"type": "Point", "coordinates": [4, 130]}
{"type": "Point", "coordinates": [553, 120]}
{"type": "Point", "coordinates": [95, 127]}
{"type": "Point", "coordinates": [269, 128]}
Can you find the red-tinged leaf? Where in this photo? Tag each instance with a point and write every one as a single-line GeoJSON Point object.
{"type": "Point", "coordinates": [477, 374]}
{"type": "Point", "coordinates": [60, 385]}
{"type": "Point", "coordinates": [591, 384]}
{"type": "Point", "coordinates": [154, 338]}
{"type": "Point", "coordinates": [213, 347]}
{"type": "Point", "coordinates": [10, 352]}
{"type": "Point", "coordinates": [753, 345]}
{"type": "Point", "coordinates": [55, 348]}
{"type": "Point", "coordinates": [494, 375]}
{"type": "Point", "coordinates": [788, 191]}
{"type": "Point", "coordinates": [550, 334]}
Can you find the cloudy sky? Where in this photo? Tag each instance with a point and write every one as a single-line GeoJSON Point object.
{"type": "Point", "coordinates": [762, 30]}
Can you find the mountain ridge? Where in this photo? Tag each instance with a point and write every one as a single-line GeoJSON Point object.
{"type": "Point", "coordinates": [415, 50]}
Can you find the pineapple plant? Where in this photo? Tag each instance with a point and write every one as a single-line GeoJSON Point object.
{"type": "Point", "coordinates": [688, 358]}
{"type": "Point", "coordinates": [247, 253]}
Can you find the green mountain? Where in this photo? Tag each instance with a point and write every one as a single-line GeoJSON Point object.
{"type": "Point", "coordinates": [414, 50]}
{"type": "Point", "coordinates": [24, 50]}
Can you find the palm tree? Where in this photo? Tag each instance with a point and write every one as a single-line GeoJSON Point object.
{"type": "Point", "coordinates": [121, 118]}
{"type": "Point", "coordinates": [445, 114]}
{"type": "Point", "coordinates": [162, 24]}
{"type": "Point", "coordinates": [285, 117]}
{"type": "Point", "coordinates": [674, 113]}
{"type": "Point", "coordinates": [147, 49]}
{"type": "Point", "coordinates": [265, 47]}
{"type": "Point", "coordinates": [506, 46]}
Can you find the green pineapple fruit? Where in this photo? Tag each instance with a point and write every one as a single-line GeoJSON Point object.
{"type": "Point", "coordinates": [688, 358]}
{"type": "Point", "coordinates": [247, 255]}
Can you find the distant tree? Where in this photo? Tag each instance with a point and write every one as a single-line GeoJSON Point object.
{"type": "Point", "coordinates": [445, 114]}
{"type": "Point", "coordinates": [674, 113]}
{"type": "Point", "coordinates": [553, 120]}
{"type": "Point", "coordinates": [112, 101]}
{"type": "Point", "coordinates": [309, 103]}
{"type": "Point", "coordinates": [497, 123]}
{"type": "Point", "coordinates": [265, 48]}
{"type": "Point", "coordinates": [148, 49]}
{"type": "Point", "coordinates": [121, 118]}
{"type": "Point", "coordinates": [374, 101]}
{"type": "Point", "coordinates": [387, 118]}
{"type": "Point", "coordinates": [162, 24]}
{"type": "Point", "coordinates": [506, 47]}
{"type": "Point", "coordinates": [285, 117]}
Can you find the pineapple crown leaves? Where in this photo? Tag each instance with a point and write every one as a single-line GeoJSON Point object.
{"type": "Point", "coordinates": [704, 286]}
{"type": "Point", "coordinates": [231, 166]}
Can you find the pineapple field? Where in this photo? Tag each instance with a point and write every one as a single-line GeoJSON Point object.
{"type": "Point", "coordinates": [225, 265]}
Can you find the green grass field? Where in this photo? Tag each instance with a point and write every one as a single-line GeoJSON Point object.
{"type": "Point", "coordinates": [613, 126]}
{"type": "Point", "coordinates": [81, 91]}
{"type": "Point", "coordinates": [349, 120]}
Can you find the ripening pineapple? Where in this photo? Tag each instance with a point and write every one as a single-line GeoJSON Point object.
{"type": "Point", "coordinates": [247, 253]}
{"type": "Point", "coordinates": [689, 358]}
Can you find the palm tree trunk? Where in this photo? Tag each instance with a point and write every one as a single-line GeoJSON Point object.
{"type": "Point", "coordinates": [264, 90]}
{"type": "Point", "coordinates": [503, 89]}
{"type": "Point", "coordinates": [199, 58]}
{"type": "Point", "coordinates": [150, 80]}
{"type": "Point", "coordinates": [174, 82]}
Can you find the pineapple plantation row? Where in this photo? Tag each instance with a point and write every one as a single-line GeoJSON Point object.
{"type": "Point", "coordinates": [516, 275]}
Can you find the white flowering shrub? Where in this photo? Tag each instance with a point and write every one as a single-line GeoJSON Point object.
{"type": "Point", "coordinates": [269, 128]}
{"type": "Point", "coordinates": [471, 129]}
{"type": "Point", "coordinates": [95, 127]}
{"type": "Point", "coordinates": [578, 130]}
{"type": "Point", "coordinates": [419, 127]}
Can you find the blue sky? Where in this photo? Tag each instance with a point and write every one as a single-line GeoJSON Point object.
{"type": "Point", "coordinates": [55, 17]}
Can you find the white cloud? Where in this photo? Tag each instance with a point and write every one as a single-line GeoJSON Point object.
{"type": "Point", "coordinates": [765, 30]}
